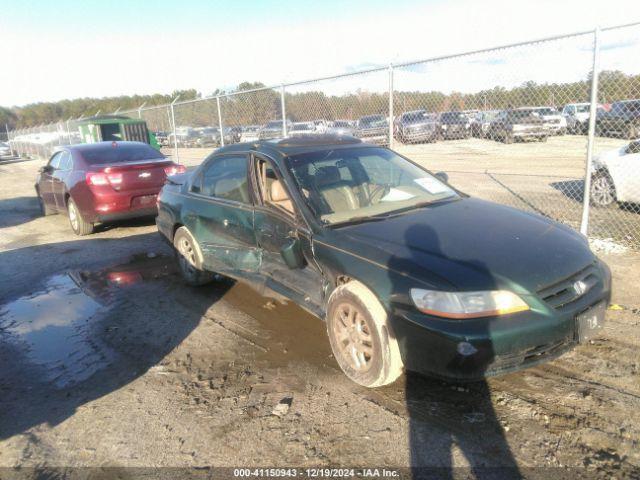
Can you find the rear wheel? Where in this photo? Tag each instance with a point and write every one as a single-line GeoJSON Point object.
{"type": "Point", "coordinates": [603, 191]}
{"type": "Point", "coordinates": [361, 338]}
{"type": "Point", "coordinates": [190, 258]}
{"type": "Point", "coordinates": [78, 224]}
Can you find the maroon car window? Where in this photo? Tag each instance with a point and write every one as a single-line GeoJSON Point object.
{"type": "Point", "coordinates": [65, 161]}
{"type": "Point", "coordinates": [120, 153]}
{"type": "Point", "coordinates": [55, 160]}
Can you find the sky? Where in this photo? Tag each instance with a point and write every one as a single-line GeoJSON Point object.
{"type": "Point", "coordinates": [52, 50]}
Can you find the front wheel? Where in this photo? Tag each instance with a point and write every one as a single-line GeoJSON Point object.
{"type": "Point", "coordinates": [361, 338]}
{"type": "Point", "coordinates": [78, 224]}
{"type": "Point", "coordinates": [190, 259]}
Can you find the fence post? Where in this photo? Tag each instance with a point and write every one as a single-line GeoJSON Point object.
{"type": "Point", "coordinates": [284, 112]}
{"type": "Point", "coordinates": [175, 135]}
{"type": "Point", "coordinates": [220, 126]}
{"type": "Point", "coordinates": [584, 224]}
{"type": "Point", "coordinates": [140, 109]}
{"type": "Point", "coordinates": [391, 106]}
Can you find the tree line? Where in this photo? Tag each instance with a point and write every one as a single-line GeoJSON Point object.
{"type": "Point", "coordinates": [264, 105]}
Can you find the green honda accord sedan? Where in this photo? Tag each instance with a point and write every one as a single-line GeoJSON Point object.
{"type": "Point", "coordinates": [407, 272]}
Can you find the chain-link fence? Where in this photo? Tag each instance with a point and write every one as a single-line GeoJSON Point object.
{"type": "Point", "coordinates": [527, 125]}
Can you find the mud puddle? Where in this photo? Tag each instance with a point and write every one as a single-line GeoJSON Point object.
{"type": "Point", "coordinates": [56, 328]}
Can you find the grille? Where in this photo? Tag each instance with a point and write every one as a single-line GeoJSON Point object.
{"type": "Point", "coordinates": [570, 289]}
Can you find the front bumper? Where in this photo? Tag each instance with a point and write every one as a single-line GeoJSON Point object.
{"type": "Point", "coordinates": [524, 134]}
{"type": "Point", "coordinates": [455, 131]}
{"type": "Point", "coordinates": [414, 136]}
{"type": "Point", "coordinates": [431, 345]}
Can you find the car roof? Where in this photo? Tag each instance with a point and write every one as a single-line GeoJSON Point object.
{"type": "Point", "coordinates": [83, 147]}
{"type": "Point", "coordinates": [295, 145]}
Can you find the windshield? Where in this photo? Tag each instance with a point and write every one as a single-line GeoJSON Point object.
{"type": "Point", "coordinates": [414, 117]}
{"type": "Point", "coordinates": [453, 116]}
{"type": "Point", "coordinates": [343, 184]}
{"type": "Point", "coordinates": [522, 115]}
{"type": "Point", "coordinates": [372, 122]}
{"type": "Point", "coordinates": [547, 111]}
{"type": "Point", "coordinates": [582, 108]}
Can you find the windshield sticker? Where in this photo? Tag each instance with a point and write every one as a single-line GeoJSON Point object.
{"type": "Point", "coordinates": [432, 185]}
{"type": "Point", "coordinates": [396, 195]}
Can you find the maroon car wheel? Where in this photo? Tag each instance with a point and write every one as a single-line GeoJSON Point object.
{"type": "Point", "coordinates": [78, 224]}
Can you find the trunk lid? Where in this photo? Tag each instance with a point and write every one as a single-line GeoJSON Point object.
{"type": "Point", "coordinates": [140, 175]}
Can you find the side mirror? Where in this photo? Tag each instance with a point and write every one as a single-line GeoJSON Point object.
{"type": "Point", "coordinates": [292, 254]}
{"type": "Point", "coordinates": [45, 169]}
{"type": "Point", "coordinates": [443, 177]}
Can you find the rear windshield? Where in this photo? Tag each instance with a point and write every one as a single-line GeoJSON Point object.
{"type": "Point", "coordinates": [121, 153]}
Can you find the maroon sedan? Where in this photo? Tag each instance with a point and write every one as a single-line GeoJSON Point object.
{"type": "Point", "coordinates": [102, 182]}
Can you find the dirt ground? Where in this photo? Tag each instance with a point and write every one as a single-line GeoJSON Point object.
{"type": "Point", "coordinates": [107, 359]}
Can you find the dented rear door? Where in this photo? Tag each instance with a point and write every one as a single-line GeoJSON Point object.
{"type": "Point", "coordinates": [220, 215]}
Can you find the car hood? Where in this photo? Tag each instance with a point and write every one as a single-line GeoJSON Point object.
{"type": "Point", "coordinates": [605, 157]}
{"type": "Point", "coordinates": [472, 244]}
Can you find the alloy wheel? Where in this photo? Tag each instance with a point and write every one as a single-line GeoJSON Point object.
{"type": "Point", "coordinates": [602, 191]}
{"type": "Point", "coordinates": [353, 337]}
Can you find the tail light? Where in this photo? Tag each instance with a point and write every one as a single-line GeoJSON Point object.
{"type": "Point", "coordinates": [174, 169]}
{"type": "Point", "coordinates": [104, 178]}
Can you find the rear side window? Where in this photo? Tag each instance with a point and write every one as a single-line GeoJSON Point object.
{"type": "Point", "coordinates": [121, 153]}
{"type": "Point", "coordinates": [226, 178]}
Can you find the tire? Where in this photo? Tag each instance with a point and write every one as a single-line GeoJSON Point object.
{"type": "Point", "coordinates": [632, 132]}
{"type": "Point", "coordinates": [361, 338]}
{"type": "Point", "coordinates": [78, 224]}
{"type": "Point", "coordinates": [507, 138]}
{"type": "Point", "coordinates": [189, 259]}
{"type": "Point", "coordinates": [603, 190]}
{"type": "Point", "coordinates": [44, 210]}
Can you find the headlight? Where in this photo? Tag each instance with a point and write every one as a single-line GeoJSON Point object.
{"type": "Point", "coordinates": [467, 304]}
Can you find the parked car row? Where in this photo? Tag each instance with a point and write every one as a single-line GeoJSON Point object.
{"type": "Point", "coordinates": [418, 126]}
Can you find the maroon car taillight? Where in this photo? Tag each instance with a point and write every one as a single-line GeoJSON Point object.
{"type": "Point", "coordinates": [174, 169]}
{"type": "Point", "coordinates": [104, 178]}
